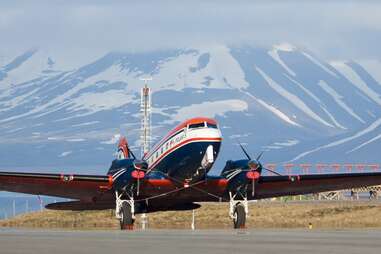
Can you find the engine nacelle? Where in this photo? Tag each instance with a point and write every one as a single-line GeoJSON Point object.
{"type": "Point", "coordinates": [126, 172]}
{"type": "Point", "coordinates": [240, 173]}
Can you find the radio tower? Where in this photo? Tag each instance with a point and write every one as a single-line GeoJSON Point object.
{"type": "Point", "coordinates": [145, 109]}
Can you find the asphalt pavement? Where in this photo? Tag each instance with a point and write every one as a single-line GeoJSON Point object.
{"type": "Point", "coordinates": [15, 241]}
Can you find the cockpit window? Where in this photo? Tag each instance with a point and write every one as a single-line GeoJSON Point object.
{"type": "Point", "coordinates": [197, 125]}
{"type": "Point", "coordinates": [212, 125]}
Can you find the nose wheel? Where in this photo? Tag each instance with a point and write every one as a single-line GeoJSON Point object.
{"type": "Point", "coordinates": [126, 220]}
{"type": "Point", "coordinates": [125, 212]}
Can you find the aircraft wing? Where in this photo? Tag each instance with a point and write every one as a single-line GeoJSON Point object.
{"type": "Point", "coordinates": [275, 186]}
{"type": "Point", "coordinates": [81, 187]}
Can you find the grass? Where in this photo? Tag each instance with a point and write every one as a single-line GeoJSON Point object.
{"type": "Point", "coordinates": [322, 215]}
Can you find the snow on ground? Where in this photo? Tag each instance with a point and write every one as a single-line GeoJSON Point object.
{"type": "Point", "coordinates": [365, 143]}
{"type": "Point", "coordinates": [237, 136]}
{"type": "Point", "coordinates": [280, 145]}
{"type": "Point", "coordinates": [222, 61]}
{"type": "Point", "coordinates": [222, 71]}
{"type": "Point", "coordinates": [333, 119]}
{"type": "Point", "coordinates": [208, 109]}
{"type": "Point", "coordinates": [30, 69]}
{"type": "Point", "coordinates": [373, 67]}
{"type": "Point", "coordinates": [15, 101]}
{"type": "Point", "coordinates": [372, 127]}
{"type": "Point", "coordinates": [293, 99]}
{"type": "Point", "coordinates": [289, 142]}
{"type": "Point", "coordinates": [85, 124]}
{"type": "Point", "coordinates": [338, 99]}
{"type": "Point", "coordinates": [64, 154]}
{"type": "Point", "coordinates": [75, 140]}
{"type": "Point", "coordinates": [317, 62]}
{"type": "Point", "coordinates": [284, 47]}
{"type": "Point", "coordinates": [274, 54]}
{"type": "Point", "coordinates": [355, 79]}
{"type": "Point", "coordinates": [114, 74]}
{"type": "Point", "coordinates": [114, 139]}
{"type": "Point", "coordinates": [93, 102]}
{"type": "Point", "coordinates": [304, 89]}
{"type": "Point", "coordinates": [274, 110]}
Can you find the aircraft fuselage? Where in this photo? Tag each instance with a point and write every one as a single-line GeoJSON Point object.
{"type": "Point", "coordinates": [188, 151]}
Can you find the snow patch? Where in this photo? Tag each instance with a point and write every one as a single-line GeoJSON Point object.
{"type": "Point", "coordinates": [274, 110]}
{"type": "Point", "coordinates": [317, 62]}
{"type": "Point", "coordinates": [355, 79]}
{"type": "Point", "coordinates": [365, 143]}
{"type": "Point", "coordinates": [64, 154]}
{"type": "Point", "coordinates": [208, 109]}
{"type": "Point", "coordinates": [93, 102]}
{"type": "Point", "coordinates": [222, 71]}
{"type": "Point", "coordinates": [338, 99]}
{"type": "Point", "coordinates": [293, 99]}
{"type": "Point", "coordinates": [284, 47]}
{"type": "Point", "coordinates": [75, 140]}
{"type": "Point", "coordinates": [85, 124]}
{"type": "Point", "coordinates": [372, 127]}
{"type": "Point", "coordinates": [114, 139]}
{"type": "Point", "coordinates": [290, 142]}
{"type": "Point", "coordinates": [274, 54]}
{"type": "Point", "coordinates": [373, 67]}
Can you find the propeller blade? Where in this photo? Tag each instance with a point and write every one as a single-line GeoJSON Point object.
{"type": "Point", "coordinates": [244, 151]}
{"type": "Point", "coordinates": [133, 155]}
{"type": "Point", "coordinates": [272, 171]}
{"type": "Point", "coordinates": [259, 156]}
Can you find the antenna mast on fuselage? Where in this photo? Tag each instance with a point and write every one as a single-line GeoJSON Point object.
{"type": "Point", "coordinates": [145, 109]}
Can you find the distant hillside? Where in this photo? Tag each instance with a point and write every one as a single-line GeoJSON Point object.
{"type": "Point", "coordinates": [283, 99]}
{"type": "Point", "coordinates": [336, 215]}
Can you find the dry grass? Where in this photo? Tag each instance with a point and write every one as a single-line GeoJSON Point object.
{"type": "Point", "coordinates": [262, 215]}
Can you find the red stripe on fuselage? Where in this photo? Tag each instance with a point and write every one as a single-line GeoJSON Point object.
{"type": "Point", "coordinates": [191, 140]}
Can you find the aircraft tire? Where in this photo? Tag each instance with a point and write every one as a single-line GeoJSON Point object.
{"type": "Point", "coordinates": [126, 220]}
{"type": "Point", "coordinates": [239, 216]}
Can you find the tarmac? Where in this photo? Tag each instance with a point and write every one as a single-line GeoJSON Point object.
{"type": "Point", "coordinates": [14, 241]}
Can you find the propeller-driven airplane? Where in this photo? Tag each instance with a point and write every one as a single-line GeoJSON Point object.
{"type": "Point", "coordinates": [173, 175]}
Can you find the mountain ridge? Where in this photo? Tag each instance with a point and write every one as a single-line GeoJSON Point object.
{"type": "Point", "coordinates": [281, 99]}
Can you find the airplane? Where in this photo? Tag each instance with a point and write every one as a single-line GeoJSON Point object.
{"type": "Point", "coordinates": [173, 175]}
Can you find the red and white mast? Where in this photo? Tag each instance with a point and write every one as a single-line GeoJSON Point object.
{"type": "Point", "coordinates": [145, 109]}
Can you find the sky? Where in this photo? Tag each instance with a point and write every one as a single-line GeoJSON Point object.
{"type": "Point", "coordinates": [331, 29]}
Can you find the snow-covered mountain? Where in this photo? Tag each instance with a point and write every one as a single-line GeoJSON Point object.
{"type": "Point", "coordinates": [283, 99]}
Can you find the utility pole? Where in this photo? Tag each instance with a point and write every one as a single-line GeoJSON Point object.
{"type": "Point", "coordinates": [145, 109]}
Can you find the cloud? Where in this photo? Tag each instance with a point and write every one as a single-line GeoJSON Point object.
{"type": "Point", "coordinates": [332, 29]}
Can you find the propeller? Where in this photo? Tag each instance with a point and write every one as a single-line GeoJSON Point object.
{"type": "Point", "coordinates": [256, 162]}
{"type": "Point", "coordinates": [254, 165]}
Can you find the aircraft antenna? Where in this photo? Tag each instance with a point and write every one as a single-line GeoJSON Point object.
{"type": "Point", "coordinates": [145, 109]}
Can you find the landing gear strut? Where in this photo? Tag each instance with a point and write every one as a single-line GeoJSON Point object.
{"type": "Point", "coordinates": [125, 211]}
{"type": "Point", "coordinates": [238, 210]}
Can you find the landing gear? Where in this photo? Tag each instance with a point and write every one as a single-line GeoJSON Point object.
{"type": "Point", "coordinates": [125, 211]}
{"type": "Point", "coordinates": [126, 220]}
{"type": "Point", "coordinates": [239, 216]}
{"type": "Point", "coordinates": [238, 210]}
